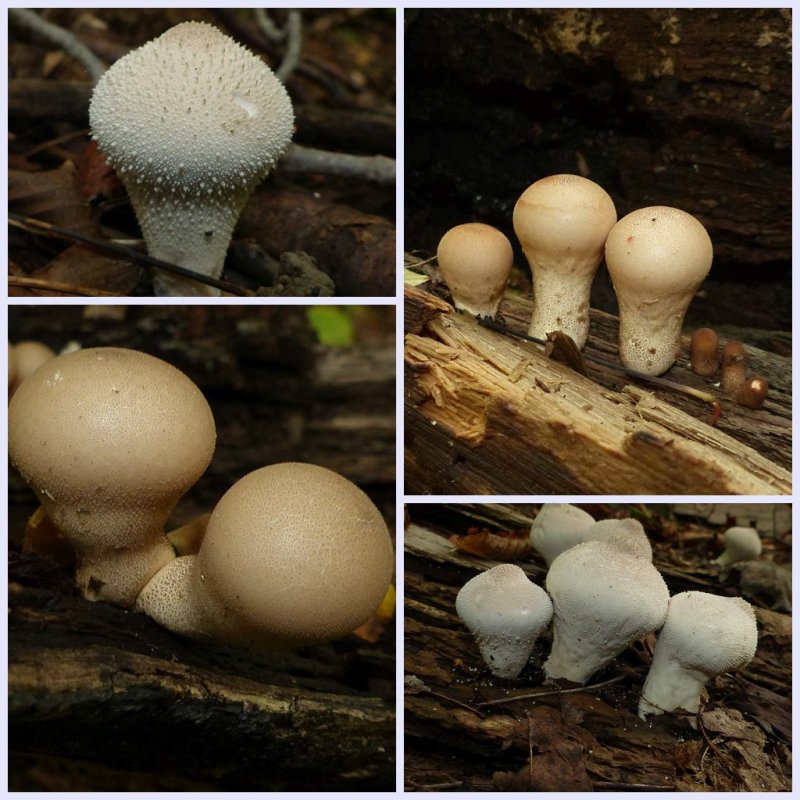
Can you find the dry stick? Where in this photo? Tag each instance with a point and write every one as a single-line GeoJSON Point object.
{"type": "Point", "coordinates": [378, 169]}
{"type": "Point", "coordinates": [551, 693]}
{"type": "Point", "coordinates": [61, 37]}
{"type": "Point", "coordinates": [56, 286]}
{"type": "Point", "coordinates": [664, 383]}
{"type": "Point", "coordinates": [57, 232]}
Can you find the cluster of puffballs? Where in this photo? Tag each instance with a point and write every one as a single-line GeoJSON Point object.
{"type": "Point", "coordinates": [602, 593]}
{"type": "Point", "coordinates": [657, 258]}
{"type": "Point", "coordinates": [109, 439]}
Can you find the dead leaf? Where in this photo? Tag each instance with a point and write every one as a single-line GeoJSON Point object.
{"type": "Point", "coordinates": [52, 196]}
{"type": "Point", "coordinates": [500, 546]}
{"type": "Point", "coordinates": [80, 266]}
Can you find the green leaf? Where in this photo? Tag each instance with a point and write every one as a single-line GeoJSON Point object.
{"type": "Point", "coordinates": [333, 325]}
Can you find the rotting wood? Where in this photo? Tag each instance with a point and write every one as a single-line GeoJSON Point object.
{"type": "Point", "coordinates": [488, 414]}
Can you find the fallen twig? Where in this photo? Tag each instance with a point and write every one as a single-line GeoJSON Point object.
{"type": "Point", "coordinates": [551, 693]}
{"type": "Point", "coordinates": [56, 286]}
{"type": "Point", "coordinates": [57, 35]}
{"type": "Point", "coordinates": [57, 232]}
{"type": "Point", "coordinates": [377, 169]}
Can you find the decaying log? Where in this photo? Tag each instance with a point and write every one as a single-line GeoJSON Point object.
{"type": "Point", "coordinates": [93, 682]}
{"type": "Point", "coordinates": [589, 738]}
{"type": "Point", "coordinates": [488, 414]}
{"type": "Point", "coordinates": [356, 249]}
{"type": "Point", "coordinates": [100, 697]}
{"type": "Point", "coordinates": [682, 107]}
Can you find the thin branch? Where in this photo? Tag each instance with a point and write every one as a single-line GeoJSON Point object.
{"type": "Point", "coordinates": [292, 34]}
{"type": "Point", "coordinates": [61, 37]}
{"type": "Point", "coordinates": [56, 286]}
{"type": "Point", "coordinates": [551, 693]}
{"type": "Point", "coordinates": [56, 232]}
{"type": "Point", "coordinates": [377, 169]}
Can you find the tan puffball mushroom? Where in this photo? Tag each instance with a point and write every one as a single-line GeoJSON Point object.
{"type": "Point", "coordinates": [28, 357]}
{"type": "Point", "coordinates": [293, 554]}
{"type": "Point", "coordinates": [475, 262]}
{"type": "Point", "coordinates": [109, 439]}
{"type": "Point", "coordinates": [562, 222]}
{"type": "Point", "coordinates": [657, 258]}
{"type": "Point", "coordinates": [191, 121]}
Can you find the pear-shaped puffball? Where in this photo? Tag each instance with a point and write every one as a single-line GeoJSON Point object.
{"type": "Point", "coordinates": [704, 635]}
{"type": "Point", "coordinates": [475, 262]}
{"type": "Point", "coordinates": [557, 527]}
{"type": "Point", "coordinates": [741, 544]}
{"type": "Point", "coordinates": [109, 439]}
{"type": "Point", "coordinates": [562, 222]}
{"type": "Point", "coordinates": [605, 596]}
{"type": "Point", "coordinates": [657, 258]}
{"type": "Point", "coordinates": [191, 121]}
{"type": "Point", "coordinates": [293, 554]}
{"type": "Point", "coordinates": [505, 613]}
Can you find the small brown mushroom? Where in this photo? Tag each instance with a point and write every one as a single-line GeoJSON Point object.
{"type": "Point", "coordinates": [752, 392]}
{"type": "Point", "coordinates": [704, 352]}
{"type": "Point", "coordinates": [734, 367]}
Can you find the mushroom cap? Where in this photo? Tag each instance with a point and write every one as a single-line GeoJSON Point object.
{"type": "Point", "coordinates": [564, 218]}
{"type": "Point", "coordinates": [109, 439]}
{"type": "Point", "coordinates": [191, 112]}
{"type": "Point", "coordinates": [293, 554]}
{"type": "Point", "coordinates": [658, 251]}
{"type": "Point", "coordinates": [475, 262]}
{"type": "Point", "coordinates": [709, 633]}
{"type": "Point", "coordinates": [703, 635]}
{"type": "Point", "coordinates": [741, 544]}
{"type": "Point", "coordinates": [505, 612]}
{"type": "Point", "coordinates": [629, 533]}
{"type": "Point", "coordinates": [604, 597]}
{"type": "Point", "coordinates": [557, 527]}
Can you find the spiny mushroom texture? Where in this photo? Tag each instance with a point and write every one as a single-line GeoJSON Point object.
{"type": "Point", "coordinates": [191, 122]}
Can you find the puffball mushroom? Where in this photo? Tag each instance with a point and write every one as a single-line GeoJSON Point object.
{"type": "Point", "coordinates": [630, 531]}
{"type": "Point", "coordinates": [293, 554]}
{"type": "Point", "coordinates": [741, 544]}
{"type": "Point", "coordinates": [557, 527]}
{"type": "Point", "coordinates": [475, 262]}
{"type": "Point", "coordinates": [191, 121]}
{"type": "Point", "coordinates": [28, 357]}
{"type": "Point", "coordinates": [109, 439]}
{"type": "Point", "coordinates": [704, 352]}
{"type": "Point", "coordinates": [562, 222]}
{"type": "Point", "coordinates": [604, 597]}
{"type": "Point", "coordinates": [657, 258]}
{"type": "Point", "coordinates": [505, 613]}
{"type": "Point", "coordinates": [704, 635]}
